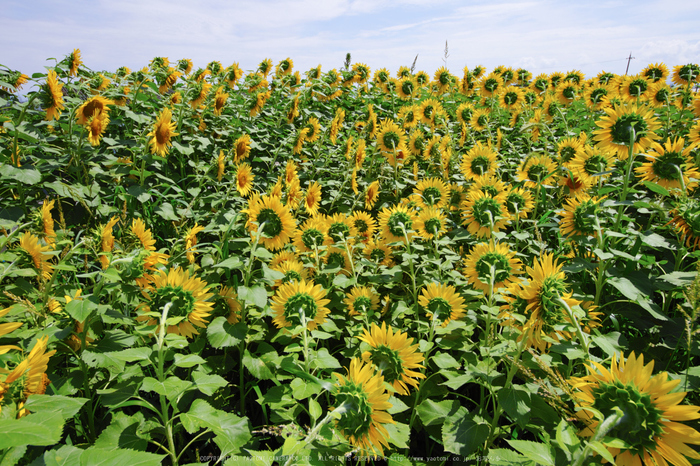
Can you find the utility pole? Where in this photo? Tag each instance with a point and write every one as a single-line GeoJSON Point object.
{"type": "Point", "coordinates": [628, 63]}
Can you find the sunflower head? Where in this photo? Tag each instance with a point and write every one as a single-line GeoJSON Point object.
{"type": "Point", "coordinates": [397, 223]}
{"type": "Point", "coordinates": [442, 303]}
{"type": "Point", "coordinates": [361, 301]}
{"type": "Point", "coordinates": [271, 219]}
{"type": "Point", "coordinates": [491, 266]}
{"type": "Point", "coordinates": [300, 304]}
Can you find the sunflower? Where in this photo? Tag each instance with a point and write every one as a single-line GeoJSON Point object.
{"type": "Point", "coordinates": [431, 223]}
{"type": "Point", "coordinates": [591, 164]}
{"type": "Point", "coordinates": [340, 228]}
{"type": "Point", "coordinates": [397, 223]}
{"type": "Point", "coordinates": [480, 119]}
{"type": "Point", "coordinates": [312, 198]}
{"type": "Point", "coordinates": [568, 148]}
{"type": "Point", "coordinates": [107, 240]}
{"type": "Point", "coordinates": [378, 252]}
{"type": "Point", "coordinates": [244, 179]}
{"type": "Point", "coordinates": [649, 429]}
{"type": "Point", "coordinates": [227, 305]}
{"type": "Point", "coordinates": [406, 87]}
{"type": "Point", "coordinates": [282, 257]}
{"type": "Point", "coordinates": [360, 153]}
{"type": "Point", "coordinates": [511, 98]}
{"type": "Point", "coordinates": [655, 72]}
{"type": "Point", "coordinates": [188, 296]}
{"type": "Point", "coordinates": [622, 122]}
{"type": "Point", "coordinates": [381, 76]}
{"type": "Point", "coordinates": [490, 185]}
{"type": "Point", "coordinates": [443, 79]}
{"type": "Point", "coordinates": [265, 66]}
{"type": "Point", "coordinates": [428, 110]}
{"type": "Point", "coordinates": [393, 353]}
{"type": "Point", "coordinates": [293, 270]}
{"type": "Point", "coordinates": [431, 192]}
{"type": "Point", "coordinates": [191, 241]}
{"type": "Point", "coordinates": [336, 124]}
{"type": "Point", "coordinates": [219, 101]}
{"type": "Point", "coordinates": [479, 160]}
{"type": "Point", "coordinates": [337, 258]}
{"type": "Point", "coordinates": [372, 194]}
{"type": "Point", "coordinates": [598, 96]}
{"type": "Point", "coordinates": [489, 262]}
{"type": "Point", "coordinates": [74, 61]}
{"type": "Point", "coordinates": [96, 126]}
{"type": "Point", "coordinates": [685, 74]}
{"type": "Point", "coordinates": [442, 303]}
{"type": "Point", "coordinates": [483, 214]}
{"type": "Point", "coordinates": [275, 221]}
{"type": "Point", "coordinates": [536, 170]}
{"type": "Point", "coordinates": [53, 98]}
{"type": "Point", "coordinates": [47, 222]}
{"type": "Point", "coordinates": [417, 143]}
{"type": "Point", "coordinates": [422, 78]}
{"type": "Point", "coordinates": [361, 301]}
{"type": "Point", "coordinates": [221, 165]}
{"type": "Point", "coordinates": [143, 235]}
{"type": "Point", "coordinates": [15, 80]}
{"type": "Point", "coordinates": [91, 107]}
{"type": "Point", "coordinates": [432, 148]}
{"type": "Point", "coordinates": [633, 89]}
{"type": "Point", "coordinates": [364, 225]}
{"type": "Point", "coordinates": [163, 132]}
{"type": "Point", "coordinates": [686, 220]}
{"type": "Point", "coordinates": [666, 164]}
{"type": "Point", "coordinates": [294, 194]}
{"type": "Point", "coordinates": [300, 303]}
{"type": "Point", "coordinates": [364, 400]}
{"type": "Point", "coordinates": [39, 255]}
{"type": "Point", "coordinates": [299, 140]}
{"type": "Point", "coordinates": [29, 376]}
{"type": "Point", "coordinates": [390, 136]}
{"type": "Point", "coordinates": [312, 235]}
{"type": "Point", "coordinates": [543, 291]}
{"type": "Point", "coordinates": [166, 78]}
{"type": "Point", "coordinates": [491, 85]}
{"type": "Point", "coordinates": [581, 216]}
{"type": "Point", "coordinates": [574, 184]}
{"type": "Point", "coordinates": [540, 84]}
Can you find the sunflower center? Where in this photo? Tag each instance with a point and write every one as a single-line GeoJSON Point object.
{"type": "Point", "coordinates": [361, 226]}
{"type": "Point", "coordinates": [335, 259]}
{"type": "Point", "coordinates": [493, 260]}
{"type": "Point", "coordinates": [584, 217]}
{"type": "Point", "coordinates": [567, 153]}
{"type": "Point", "coordinates": [486, 210]}
{"type": "Point", "coordinates": [638, 87]}
{"type": "Point", "coordinates": [272, 221]}
{"type": "Point", "coordinates": [662, 95]}
{"type": "Point", "coordinates": [668, 166]}
{"type": "Point", "coordinates": [240, 149]}
{"type": "Point", "coordinates": [339, 231]}
{"type": "Point", "coordinates": [551, 290]}
{"type": "Point", "coordinates": [598, 94]}
{"type": "Point", "coordinates": [440, 308]}
{"type": "Point", "coordinates": [391, 140]}
{"type": "Point", "coordinates": [291, 276]}
{"type": "Point", "coordinates": [183, 301]}
{"type": "Point", "coordinates": [541, 85]}
{"type": "Point", "coordinates": [431, 195]}
{"type": "Point", "coordinates": [388, 361]}
{"type": "Point", "coordinates": [428, 111]}
{"type": "Point", "coordinates": [357, 421]}
{"type": "Point", "coordinates": [90, 108]}
{"type": "Point", "coordinates": [298, 305]}
{"type": "Point", "coordinates": [482, 120]}
{"type": "Point", "coordinates": [480, 165]}
{"type": "Point", "coordinates": [433, 225]}
{"type": "Point", "coordinates": [312, 238]}
{"type": "Point", "coordinates": [642, 420]}
{"type": "Point", "coordinates": [377, 255]}
{"type": "Point", "coordinates": [491, 84]}
{"type": "Point", "coordinates": [510, 98]}
{"type": "Point", "coordinates": [621, 130]}
{"type": "Point", "coordinates": [407, 87]}
{"type": "Point", "coordinates": [398, 222]}
{"type": "Point", "coordinates": [595, 164]}
{"type": "Point", "coordinates": [163, 133]}
{"type": "Point", "coordinates": [515, 202]}
{"type": "Point", "coordinates": [569, 92]}
{"type": "Point", "coordinates": [536, 172]}
{"type": "Point", "coordinates": [689, 72]}
{"type": "Point", "coordinates": [362, 304]}
{"type": "Point", "coordinates": [466, 114]}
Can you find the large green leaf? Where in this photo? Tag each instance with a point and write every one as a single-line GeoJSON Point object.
{"type": "Point", "coordinates": [516, 402]}
{"type": "Point", "coordinates": [464, 433]}
{"type": "Point", "coordinates": [222, 334]}
{"type": "Point", "coordinates": [538, 452]}
{"type": "Point", "coordinates": [232, 432]}
{"type": "Point", "coordinates": [124, 432]}
{"type": "Point", "coordinates": [119, 457]}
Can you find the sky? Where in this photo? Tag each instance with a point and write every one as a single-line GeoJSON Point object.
{"type": "Point", "coordinates": [541, 36]}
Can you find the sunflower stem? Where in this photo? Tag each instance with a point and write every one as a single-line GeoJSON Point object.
{"type": "Point", "coordinates": [339, 411]}
{"type": "Point", "coordinates": [579, 331]}
{"type": "Point", "coordinates": [626, 181]}
{"type": "Point", "coordinates": [606, 426]}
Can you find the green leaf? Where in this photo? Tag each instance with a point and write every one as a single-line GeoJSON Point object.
{"type": "Point", "coordinates": [434, 413]}
{"type": "Point", "coordinates": [222, 334]}
{"type": "Point", "coordinates": [132, 354]}
{"type": "Point", "coordinates": [609, 342]}
{"type": "Point", "coordinates": [208, 383]}
{"type": "Point", "coordinates": [256, 295]}
{"type": "Point", "coordinates": [464, 433]}
{"type": "Point", "coordinates": [658, 189]}
{"type": "Point", "coordinates": [67, 455]}
{"type": "Point", "coordinates": [602, 450]}
{"type": "Point", "coordinates": [188, 360]}
{"type": "Point", "coordinates": [537, 452]}
{"type": "Point", "coordinates": [124, 432]}
{"type": "Point", "coordinates": [232, 432]}
{"type": "Point", "coordinates": [314, 409]}
{"type": "Point", "coordinates": [630, 290]}
{"type": "Point", "coordinates": [399, 434]}
{"type": "Point", "coordinates": [504, 457]}
{"type": "Point", "coordinates": [66, 406]}
{"type": "Point", "coordinates": [233, 262]}
{"type": "Point", "coordinates": [566, 437]}
{"type": "Point", "coordinates": [80, 309]}
{"type": "Point", "coordinates": [36, 429]}
{"type": "Point", "coordinates": [23, 175]}
{"type": "Point", "coordinates": [655, 240]}
{"type": "Point", "coordinates": [166, 211]}
{"type": "Point", "coordinates": [516, 402]}
{"type": "Point", "coordinates": [445, 361]}
{"type": "Point", "coordinates": [679, 278]}
{"type": "Point", "coordinates": [302, 389]}
{"type": "Point", "coordinates": [263, 367]}
{"type": "Point", "coordinates": [184, 150]}
{"type": "Point", "coordinates": [172, 388]}
{"type": "Point", "coordinates": [94, 456]}
{"type": "Point", "coordinates": [323, 360]}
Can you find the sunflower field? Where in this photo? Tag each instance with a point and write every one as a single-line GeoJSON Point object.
{"type": "Point", "coordinates": [215, 266]}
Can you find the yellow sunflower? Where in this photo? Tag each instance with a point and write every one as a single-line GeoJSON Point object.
{"type": "Point", "coordinates": [144, 235]}
{"type": "Point", "coordinates": [275, 221]}
{"type": "Point", "coordinates": [28, 377]}
{"type": "Point", "coordinates": [598, 96]}
{"type": "Point", "coordinates": [163, 132]}
{"type": "Point", "coordinates": [581, 216]}
{"type": "Point", "coordinates": [567, 93]}
{"type": "Point", "coordinates": [294, 194]}
{"type": "Point", "coordinates": [394, 355]}
{"type": "Point", "coordinates": [201, 89]}
{"type": "Point", "coordinates": [48, 223]}
{"type": "Point", "coordinates": [518, 202]}
{"type": "Point", "coordinates": [649, 427]}
{"type": "Point", "coordinates": [340, 227]}
{"type": "Point", "coordinates": [361, 300]}
{"type": "Point", "coordinates": [483, 214]}
{"type": "Point", "coordinates": [390, 136]}
{"type": "Point", "coordinates": [406, 87]}
{"type": "Point", "coordinates": [74, 61]}
{"type": "Point", "coordinates": [364, 225]}
{"type": "Point", "coordinates": [479, 160]}
{"type": "Point", "coordinates": [655, 72]}
{"type": "Point", "coordinates": [336, 257]}
{"type": "Point", "coordinates": [685, 74]}
{"type": "Point", "coordinates": [221, 165]}
{"type": "Point", "coordinates": [219, 101]}
{"type": "Point", "coordinates": [299, 140]}
{"type": "Point", "coordinates": [188, 296]}
{"type": "Point", "coordinates": [312, 235]}
{"type": "Point", "coordinates": [489, 184]}
{"type": "Point", "coordinates": [227, 305]}
{"type": "Point", "coordinates": [312, 199]}
{"type": "Point", "coordinates": [480, 119]}
{"type": "Point", "coordinates": [491, 85]}
{"type": "Point", "coordinates": [107, 240]}
{"type": "Point", "coordinates": [489, 262]}
{"type": "Point", "coordinates": [536, 170]}
{"type": "Point", "coordinates": [91, 107]}
{"type": "Point", "coordinates": [442, 303]}
{"type": "Point", "coordinates": [511, 98]}
{"type": "Point", "coordinates": [96, 126]}
{"type": "Point", "coordinates": [364, 400]}
{"type": "Point", "coordinates": [443, 79]}
{"type": "Point", "coordinates": [397, 223]}
{"type": "Point", "coordinates": [686, 220]}
{"type": "Point", "coordinates": [431, 192]}
{"type": "Point", "coordinates": [241, 148]}
{"type": "Point", "coordinates": [431, 223]}
{"type": "Point", "coordinates": [417, 143]}
{"type": "Point", "coordinates": [293, 270]}
{"type": "Point", "coordinates": [633, 89]}
{"type": "Point", "coordinates": [620, 123]}
{"type": "Point", "coordinates": [428, 110]}
{"type": "Point", "coordinates": [191, 241]}
{"type": "Point", "coordinates": [592, 164]}
{"type": "Point", "coordinates": [300, 303]}
{"type": "Point", "coordinates": [244, 179]}
{"type": "Point", "coordinates": [39, 255]}
{"type": "Point", "coordinates": [670, 166]}
{"type": "Point", "coordinates": [53, 98]}
{"type": "Point", "coordinates": [378, 252]}
{"type": "Point", "coordinates": [372, 194]}
{"type": "Point", "coordinates": [314, 129]}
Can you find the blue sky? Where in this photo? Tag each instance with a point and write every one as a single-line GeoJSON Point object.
{"type": "Point", "coordinates": [541, 36]}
